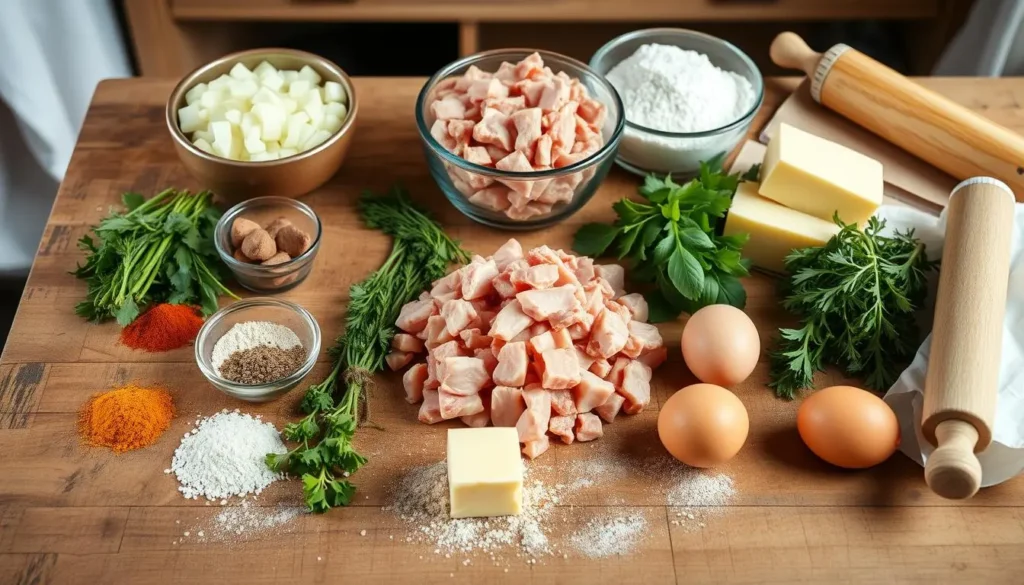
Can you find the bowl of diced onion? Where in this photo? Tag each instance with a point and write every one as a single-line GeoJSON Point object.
{"type": "Point", "coordinates": [263, 122]}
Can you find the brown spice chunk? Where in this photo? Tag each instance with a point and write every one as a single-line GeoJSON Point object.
{"type": "Point", "coordinates": [240, 228]}
{"type": "Point", "coordinates": [238, 255]}
{"type": "Point", "coordinates": [262, 364]}
{"type": "Point", "coordinates": [293, 240]}
{"type": "Point", "coordinates": [279, 258]}
{"type": "Point", "coordinates": [276, 225]}
{"type": "Point", "coordinates": [258, 245]}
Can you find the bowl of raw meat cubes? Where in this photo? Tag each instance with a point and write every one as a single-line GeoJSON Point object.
{"type": "Point", "coordinates": [519, 139]}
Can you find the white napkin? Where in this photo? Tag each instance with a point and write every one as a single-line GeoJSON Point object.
{"type": "Point", "coordinates": [1004, 458]}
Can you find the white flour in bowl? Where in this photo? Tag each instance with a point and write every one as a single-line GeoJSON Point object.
{"type": "Point", "coordinates": [664, 87]}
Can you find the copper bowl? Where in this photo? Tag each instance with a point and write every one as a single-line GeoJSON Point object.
{"type": "Point", "coordinates": [292, 176]}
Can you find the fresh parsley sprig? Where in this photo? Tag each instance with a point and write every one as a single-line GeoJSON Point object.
{"type": "Point", "coordinates": [856, 297]}
{"type": "Point", "coordinates": [670, 242]}
{"type": "Point", "coordinates": [324, 455]}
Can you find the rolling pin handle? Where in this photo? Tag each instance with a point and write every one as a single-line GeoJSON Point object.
{"type": "Point", "coordinates": [953, 470]}
{"type": "Point", "coordinates": [790, 51]}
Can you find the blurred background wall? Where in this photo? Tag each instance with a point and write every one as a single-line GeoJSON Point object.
{"type": "Point", "coordinates": [55, 51]}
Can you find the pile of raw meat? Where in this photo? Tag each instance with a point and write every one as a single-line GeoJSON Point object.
{"type": "Point", "coordinates": [546, 342]}
{"type": "Point", "coordinates": [521, 118]}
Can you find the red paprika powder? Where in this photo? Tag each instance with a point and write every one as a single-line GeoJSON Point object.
{"type": "Point", "coordinates": [162, 328]}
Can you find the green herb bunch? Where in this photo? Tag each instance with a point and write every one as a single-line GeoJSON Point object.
{"type": "Point", "coordinates": [160, 250]}
{"type": "Point", "coordinates": [420, 254]}
{"type": "Point", "coordinates": [856, 297]}
{"type": "Point", "coordinates": [670, 242]}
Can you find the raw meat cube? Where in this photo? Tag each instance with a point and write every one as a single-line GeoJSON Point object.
{"type": "Point", "coordinates": [523, 336]}
{"type": "Point", "coordinates": [503, 286]}
{"type": "Point", "coordinates": [561, 427]}
{"type": "Point", "coordinates": [496, 153]}
{"type": "Point", "coordinates": [455, 406]}
{"type": "Point", "coordinates": [585, 269]}
{"type": "Point", "coordinates": [510, 321]}
{"type": "Point", "coordinates": [512, 362]}
{"type": "Point", "coordinates": [506, 105]}
{"type": "Point", "coordinates": [476, 281]}
{"type": "Point", "coordinates": [580, 330]}
{"type": "Point", "coordinates": [593, 112]}
{"type": "Point", "coordinates": [406, 342]}
{"type": "Point", "coordinates": [542, 151]}
{"type": "Point", "coordinates": [506, 72]}
{"type": "Point", "coordinates": [540, 276]}
{"type": "Point", "coordinates": [591, 392]}
{"type": "Point", "coordinates": [473, 73]}
{"type": "Point", "coordinates": [509, 252]}
{"type": "Point", "coordinates": [551, 304]}
{"type": "Point", "coordinates": [529, 67]}
{"type": "Point", "coordinates": [507, 406]}
{"type": "Point", "coordinates": [585, 137]}
{"type": "Point", "coordinates": [608, 335]}
{"type": "Point", "coordinates": [618, 369]}
{"type": "Point", "coordinates": [413, 381]}
{"type": "Point", "coordinates": [541, 343]}
{"type": "Point", "coordinates": [430, 410]}
{"type": "Point", "coordinates": [538, 328]}
{"type": "Point", "coordinates": [474, 339]}
{"type": "Point", "coordinates": [643, 337]}
{"type": "Point", "coordinates": [545, 255]}
{"type": "Point", "coordinates": [610, 408]}
{"type": "Point", "coordinates": [621, 310]}
{"type": "Point", "coordinates": [534, 449]}
{"type": "Point", "coordinates": [398, 359]}
{"type": "Point", "coordinates": [457, 314]}
{"type": "Point", "coordinates": [448, 108]}
{"type": "Point", "coordinates": [588, 427]}
{"type": "Point", "coordinates": [414, 314]}
{"type": "Point", "coordinates": [494, 198]}
{"type": "Point", "coordinates": [654, 358]}
{"type": "Point", "coordinates": [533, 423]}
{"type": "Point", "coordinates": [476, 154]}
{"type": "Point", "coordinates": [557, 192]}
{"type": "Point", "coordinates": [616, 277]}
{"type": "Point", "coordinates": [462, 132]}
{"type": "Point", "coordinates": [585, 360]}
{"type": "Point", "coordinates": [527, 123]}
{"type": "Point", "coordinates": [440, 133]}
{"type": "Point", "coordinates": [435, 362]}
{"type": "Point", "coordinates": [559, 368]}
{"type": "Point", "coordinates": [562, 338]}
{"type": "Point", "coordinates": [482, 418]}
{"type": "Point", "coordinates": [530, 90]}
{"type": "Point", "coordinates": [437, 333]}
{"type": "Point", "coordinates": [523, 213]}
{"type": "Point", "coordinates": [446, 284]}
{"type": "Point", "coordinates": [516, 162]}
{"type": "Point", "coordinates": [556, 93]}
{"type": "Point", "coordinates": [563, 131]}
{"type": "Point", "coordinates": [487, 89]}
{"type": "Point", "coordinates": [636, 386]}
{"type": "Point", "coordinates": [464, 376]}
{"type": "Point", "coordinates": [636, 304]}
{"type": "Point", "coordinates": [562, 402]}
{"type": "Point", "coordinates": [493, 129]}
{"type": "Point", "coordinates": [490, 362]}
{"type": "Point", "coordinates": [601, 368]}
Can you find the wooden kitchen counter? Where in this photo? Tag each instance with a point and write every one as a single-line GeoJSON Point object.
{"type": "Point", "coordinates": [75, 514]}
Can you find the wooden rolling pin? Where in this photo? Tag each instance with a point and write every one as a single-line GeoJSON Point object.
{"type": "Point", "coordinates": [963, 368]}
{"type": "Point", "coordinates": [918, 120]}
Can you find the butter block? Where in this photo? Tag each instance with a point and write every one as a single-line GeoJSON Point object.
{"type": "Point", "coordinates": [819, 177]}
{"type": "Point", "coordinates": [485, 473]}
{"type": "Point", "coordinates": [775, 230]}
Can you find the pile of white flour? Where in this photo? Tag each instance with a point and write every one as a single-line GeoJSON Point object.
{"type": "Point", "coordinates": [670, 89]}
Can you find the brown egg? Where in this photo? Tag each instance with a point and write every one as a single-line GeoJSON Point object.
{"type": "Point", "coordinates": [848, 427]}
{"type": "Point", "coordinates": [703, 425]}
{"type": "Point", "coordinates": [720, 345]}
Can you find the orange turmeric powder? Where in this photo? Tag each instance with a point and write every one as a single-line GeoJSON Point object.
{"type": "Point", "coordinates": [126, 418]}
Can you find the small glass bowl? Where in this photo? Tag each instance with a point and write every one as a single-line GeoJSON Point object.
{"type": "Point", "coordinates": [263, 210]}
{"type": "Point", "coordinates": [646, 150]}
{"type": "Point", "coordinates": [459, 179]}
{"type": "Point", "coordinates": [284, 313]}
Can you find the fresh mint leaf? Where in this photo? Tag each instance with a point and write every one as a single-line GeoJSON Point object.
{"type": "Point", "coordinates": [731, 291]}
{"type": "Point", "coordinates": [710, 294]}
{"type": "Point", "coordinates": [594, 238]}
{"type": "Point", "coordinates": [626, 241]}
{"type": "Point", "coordinates": [127, 312]}
{"type": "Point", "coordinates": [695, 238]}
{"type": "Point", "coordinates": [132, 200]}
{"type": "Point", "coordinates": [631, 212]}
{"type": "Point", "coordinates": [663, 250]}
{"type": "Point", "coordinates": [686, 273]}
{"type": "Point", "coordinates": [177, 223]}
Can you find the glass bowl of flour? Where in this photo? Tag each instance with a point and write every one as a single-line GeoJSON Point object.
{"type": "Point", "coordinates": [688, 97]}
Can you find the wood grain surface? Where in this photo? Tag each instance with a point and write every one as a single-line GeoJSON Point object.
{"type": "Point", "coordinates": [73, 514]}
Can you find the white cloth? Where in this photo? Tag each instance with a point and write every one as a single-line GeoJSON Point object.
{"type": "Point", "coordinates": [1004, 457]}
{"type": "Point", "coordinates": [55, 52]}
{"type": "Point", "coordinates": [989, 44]}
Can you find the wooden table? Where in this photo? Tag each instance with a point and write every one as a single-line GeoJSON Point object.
{"type": "Point", "coordinates": [73, 514]}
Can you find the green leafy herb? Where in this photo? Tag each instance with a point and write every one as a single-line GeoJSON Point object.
{"type": "Point", "coordinates": [856, 298]}
{"type": "Point", "coordinates": [160, 250]}
{"type": "Point", "coordinates": [670, 243]}
{"type": "Point", "coordinates": [421, 253]}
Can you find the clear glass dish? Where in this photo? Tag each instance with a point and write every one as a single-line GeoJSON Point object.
{"type": "Point", "coordinates": [456, 176]}
{"type": "Point", "coordinates": [262, 210]}
{"type": "Point", "coordinates": [284, 313]}
{"type": "Point", "coordinates": [646, 150]}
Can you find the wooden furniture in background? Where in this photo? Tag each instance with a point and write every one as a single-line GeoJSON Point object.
{"type": "Point", "coordinates": [74, 514]}
{"type": "Point", "coordinates": [172, 37]}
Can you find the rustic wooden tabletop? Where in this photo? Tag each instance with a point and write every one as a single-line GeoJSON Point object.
{"type": "Point", "coordinates": [74, 514]}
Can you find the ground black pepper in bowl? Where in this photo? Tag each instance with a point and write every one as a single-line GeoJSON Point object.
{"type": "Point", "coordinates": [262, 364]}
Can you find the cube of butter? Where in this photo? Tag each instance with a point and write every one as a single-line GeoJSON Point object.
{"type": "Point", "coordinates": [775, 230]}
{"type": "Point", "coordinates": [819, 177]}
{"type": "Point", "coordinates": [485, 473]}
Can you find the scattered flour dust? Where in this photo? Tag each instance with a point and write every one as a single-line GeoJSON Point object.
{"type": "Point", "coordinates": [610, 536]}
{"type": "Point", "coordinates": [244, 522]}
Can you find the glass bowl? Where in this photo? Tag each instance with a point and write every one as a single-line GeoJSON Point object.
{"type": "Point", "coordinates": [284, 313]}
{"type": "Point", "coordinates": [263, 210]}
{"type": "Point", "coordinates": [645, 150]}
{"type": "Point", "coordinates": [460, 179]}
